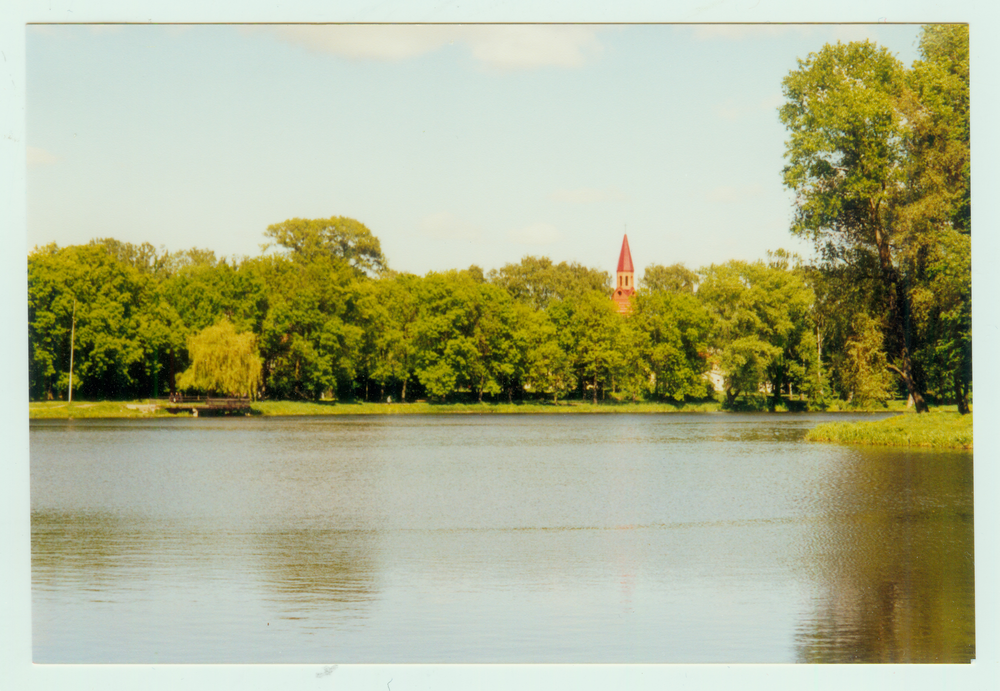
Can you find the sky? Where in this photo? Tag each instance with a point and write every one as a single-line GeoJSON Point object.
{"type": "Point", "coordinates": [454, 144]}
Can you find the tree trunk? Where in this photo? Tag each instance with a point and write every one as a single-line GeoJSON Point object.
{"type": "Point", "coordinates": [961, 394]}
{"type": "Point", "coordinates": [731, 397]}
{"type": "Point", "coordinates": [171, 380]}
{"type": "Point", "coordinates": [595, 389]}
{"type": "Point", "coordinates": [898, 313]}
{"type": "Point", "coordinates": [403, 397]}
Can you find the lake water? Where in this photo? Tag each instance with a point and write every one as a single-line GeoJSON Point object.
{"type": "Point", "coordinates": [543, 538]}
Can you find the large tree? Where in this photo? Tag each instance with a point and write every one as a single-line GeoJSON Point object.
{"type": "Point", "coordinates": [538, 282]}
{"type": "Point", "coordinates": [338, 236]}
{"type": "Point", "coordinates": [83, 302]}
{"type": "Point", "coordinates": [761, 315]}
{"type": "Point", "coordinates": [848, 159]}
{"type": "Point", "coordinates": [937, 216]}
{"type": "Point", "coordinates": [223, 361]}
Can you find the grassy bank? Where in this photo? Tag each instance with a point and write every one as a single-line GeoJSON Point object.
{"type": "Point", "coordinates": [425, 408]}
{"type": "Point", "coordinates": [95, 409]}
{"type": "Point", "coordinates": [937, 429]}
{"type": "Point", "coordinates": [151, 408]}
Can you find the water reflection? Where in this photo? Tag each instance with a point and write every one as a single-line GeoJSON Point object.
{"type": "Point", "coordinates": [319, 568]}
{"type": "Point", "coordinates": [681, 538]}
{"type": "Point", "coordinates": [895, 562]}
{"type": "Point", "coordinates": [89, 547]}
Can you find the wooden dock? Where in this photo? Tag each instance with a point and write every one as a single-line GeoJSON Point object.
{"type": "Point", "coordinates": [208, 406]}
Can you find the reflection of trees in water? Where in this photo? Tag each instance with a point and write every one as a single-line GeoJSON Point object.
{"type": "Point", "coordinates": [91, 546]}
{"type": "Point", "coordinates": [317, 567]}
{"type": "Point", "coordinates": [895, 562]}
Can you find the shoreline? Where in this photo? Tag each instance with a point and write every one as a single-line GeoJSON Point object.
{"type": "Point", "coordinates": [148, 408]}
{"type": "Point", "coordinates": [942, 428]}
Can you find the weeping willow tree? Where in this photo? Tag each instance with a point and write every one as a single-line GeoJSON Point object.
{"type": "Point", "coordinates": [223, 361]}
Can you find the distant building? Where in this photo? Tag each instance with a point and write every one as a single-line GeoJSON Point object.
{"type": "Point", "coordinates": [626, 280]}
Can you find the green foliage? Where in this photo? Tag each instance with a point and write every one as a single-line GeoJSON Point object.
{"type": "Point", "coordinates": [865, 372]}
{"type": "Point", "coordinates": [309, 336]}
{"type": "Point", "coordinates": [388, 311]}
{"type": "Point", "coordinates": [846, 145]}
{"type": "Point", "coordinates": [675, 278]}
{"type": "Point", "coordinates": [223, 361]}
{"type": "Point", "coordinates": [596, 330]}
{"type": "Point", "coordinates": [678, 329]}
{"type": "Point", "coordinates": [878, 156]}
{"type": "Point", "coordinates": [547, 366]}
{"type": "Point", "coordinates": [539, 283]}
{"type": "Point", "coordinates": [337, 236]}
{"type": "Point", "coordinates": [107, 297]}
{"type": "Point", "coordinates": [762, 318]}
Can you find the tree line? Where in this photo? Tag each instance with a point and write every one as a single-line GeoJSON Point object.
{"type": "Point", "coordinates": [877, 156]}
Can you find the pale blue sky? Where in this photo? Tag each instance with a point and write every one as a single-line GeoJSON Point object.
{"type": "Point", "coordinates": [456, 145]}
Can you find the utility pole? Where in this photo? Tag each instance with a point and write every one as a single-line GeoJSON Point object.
{"type": "Point", "coordinates": [72, 343]}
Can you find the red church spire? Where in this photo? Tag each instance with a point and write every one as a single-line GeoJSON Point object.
{"type": "Point", "coordinates": [625, 258]}
{"type": "Point", "coordinates": [625, 279]}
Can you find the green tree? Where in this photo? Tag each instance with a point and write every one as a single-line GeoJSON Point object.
{"type": "Point", "coordinates": [760, 314]}
{"type": "Point", "coordinates": [538, 282]}
{"type": "Point", "coordinates": [678, 327]}
{"type": "Point", "coordinates": [866, 373]}
{"type": "Point", "coordinates": [338, 236]}
{"type": "Point", "coordinates": [388, 312]}
{"type": "Point", "coordinates": [309, 336]}
{"type": "Point", "coordinates": [107, 298]}
{"type": "Point", "coordinates": [594, 328]}
{"type": "Point", "coordinates": [464, 335]}
{"type": "Point", "coordinates": [847, 163]}
{"type": "Point", "coordinates": [223, 361]}
{"type": "Point", "coordinates": [633, 373]}
{"type": "Point", "coordinates": [675, 278]}
{"type": "Point", "coordinates": [445, 348]}
{"type": "Point", "coordinates": [547, 367]}
{"type": "Point", "coordinates": [936, 218]}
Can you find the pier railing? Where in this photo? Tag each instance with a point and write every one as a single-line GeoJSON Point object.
{"type": "Point", "coordinates": [208, 401]}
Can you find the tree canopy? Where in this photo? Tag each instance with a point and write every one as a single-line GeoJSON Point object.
{"type": "Point", "coordinates": [338, 236]}
{"type": "Point", "coordinates": [223, 361]}
{"type": "Point", "coordinates": [878, 159]}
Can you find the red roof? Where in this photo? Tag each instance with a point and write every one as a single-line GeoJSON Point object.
{"type": "Point", "coordinates": [625, 258]}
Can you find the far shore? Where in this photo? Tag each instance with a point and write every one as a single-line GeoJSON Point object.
{"type": "Point", "coordinates": [149, 408]}
{"type": "Point", "coordinates": [943, 427]}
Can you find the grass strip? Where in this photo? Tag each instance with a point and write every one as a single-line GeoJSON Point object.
{"type": "Point", "coordinates": [153, 408]}
{"type": "Point", "coordinates": [936, 429]}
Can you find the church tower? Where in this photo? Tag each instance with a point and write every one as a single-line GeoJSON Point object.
{"type": "Point", "coordinates": [625, 280]}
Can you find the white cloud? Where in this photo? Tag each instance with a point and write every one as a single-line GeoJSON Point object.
{"type": "Point", "coordinates": [530, 46]}
{"type": "Point", "coordinates": [588, 195]}
{"type": "Point", "coordinates": [535, 234]}
{"type": "Point", "coordinates": [497, 46]}
{"type": "Point", "coordinates": [447, 226]}
{"type": "Point", "coordinates": [39, 157]}
{"type": "Point", "coordinates": [364, 41]}
{"type": "Point", "coordinates": [733, 194]}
